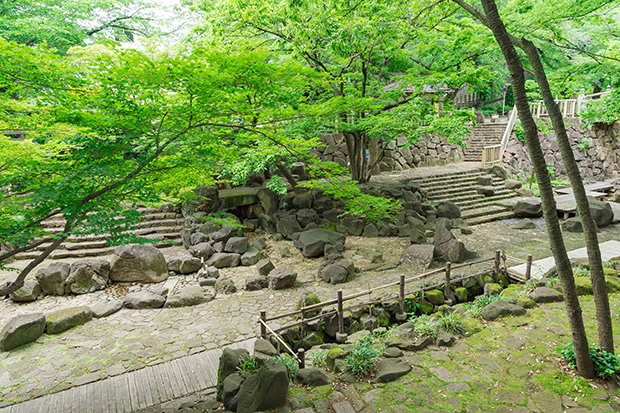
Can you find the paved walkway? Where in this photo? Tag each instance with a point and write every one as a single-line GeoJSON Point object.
{"type": "Point", "coordinates": [609, 250]}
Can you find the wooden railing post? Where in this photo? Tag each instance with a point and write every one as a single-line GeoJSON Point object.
{"type": "Point", "coordinates": [504, 267]}
{"type": "Point", "coordinates": [301, 356]}
{"type": "Point", "coordinates": [498, 254]}
{"type": "Point", "coordinates": [340, 313]}
{"type": "Point", "coordinates": [447, 281]}
{"type": "Point", "coordinates": [528, 268]}
{"type": "Point", "coordinates": [401, 294]}
{"type": "Point", "coordinates": [263, 330]}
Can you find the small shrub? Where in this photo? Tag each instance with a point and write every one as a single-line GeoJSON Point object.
{"type": "Point", "coordinates": [249, 364]}
{"type": "Point", "coordinates": [553, 281]}
{"type": "Point", "coordinates": [519, 131]}
{"type": "Point", "coordinates": [584, 145]}
{"type": "Point", "coordinates": [451, 322]}
{"type": "Point", "coordinates": [319, 358]}
{"type": "Point", "coordinates": [606, 365]}
{"type": "Point", "coordinates": [611, 265]}
{"type": "Point", "coordinates": [426, 326]}
{"type": "Point", "coordinates": [475, 308]}
{"type": "Point", "coordinates": [289, 362]}
{"type": "Point", "coordinates": [581, 272]}
{"type": "Point", "coordinates": [363, 358]}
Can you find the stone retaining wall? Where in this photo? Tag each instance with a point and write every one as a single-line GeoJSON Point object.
{"type": "Point", "coordinates": [598, 163]}
{"type": "Point", "coordinates": [397, 154]}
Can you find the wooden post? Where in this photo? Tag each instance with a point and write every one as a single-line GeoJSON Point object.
{"type": "Point", "coordinates": [340, 313]}
{"type": "Point", "coordinates": [301, 355]}
{"type": "Point", "coordinates": [528, 268]}
{"type": "Point", "coordinates": [498, 254]}
{"type": "Point", "coordinates": [505, 267]}
{"type": "Point", "coordinates": [263, 329]}
{"type": "Point", "coordinates": [446, 288]}
{"type": "Point", "coordinates": [401, 294]}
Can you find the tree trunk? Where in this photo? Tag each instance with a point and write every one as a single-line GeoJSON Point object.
{"type": "Point", "coordinates": [573, 309]}
{"type": "Point", "coordinates": [599, 287]}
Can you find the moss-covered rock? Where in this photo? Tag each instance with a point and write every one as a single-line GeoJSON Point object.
{"type": "Point", "coordinates": [315, 338]}
{"type": "Point", "coordinates": [306, 300]}
{"type": "Point", "coordinates": [492, 289]}
{"type": "Point", "coordinates": [472, 326]}
{"type": "Point", "coordinates": [461, 294]}
{"type": "Point", "coordinates": [526, 302]}
{"type": "Point", "coordinates": [434, 297]}
{"type": "Point", "coordinates": [426, 307]}
{"type": "Point", "coordinates": [583, 285]}
{"type": "Point", "coordinates": [613, 284]}
{"type": "Point", "coordinates": [61, 320]}
{"type": "Point", "coordinates": [333, 354]}
{"type": "Point", "coordinates": [383, 318]}
{"type": "Point", "coordinates": [503, 281]}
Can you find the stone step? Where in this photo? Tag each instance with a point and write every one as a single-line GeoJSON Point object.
{"type": "Point", "coordinates": [467, 200]}
{"type": "Point", "coordinates": [458, 184]}
{"type": "Point", "coordinates": [84, 253]}
{"type": "Point", "coordinates": [491, 217]}
{"type": "Point", "coordinates": [60, 223]}
{"type": "Point", "coordinates": [466, 205]}
{"type": "Point", "coordinates": [482, 210]}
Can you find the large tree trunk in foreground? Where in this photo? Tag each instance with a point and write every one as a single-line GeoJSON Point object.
{"type": "Point", "coordinates": [573, 309]}
{"type": "Point", "coordinates": [601, 298]}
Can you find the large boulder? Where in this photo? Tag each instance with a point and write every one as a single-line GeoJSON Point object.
{"type": "Point", "coordinates": [87, 276]}
{"type": "Point", "coordinates": [390, 369]}
{"type": "Point", "coordinates": [251, 256]}
{"type": "Point", "coordinates": [601, 212]}
{"type": "Point", "coordinates": [313, 377]}
{"type": "Point", "coordinates": [312, 242]}
{"type": "Point", "coordinates": [281, 277]}
{"type": "Point", "coordinates": [528, 208]}
{"type": "Point", "coordinates": [264, 266]}
{"type": "Point", "coordinates": [188, 296]}
{"type": "Point", "coordinates": [231, 386]}
{"type": "Point", "coordinates": [223, 234]}
{"type": "Point", "coordinates": [52, 279]}
{"type": "Point", "coordinates": [256, 283]}
{"type": "Point", "coordinates": [448, 209]}
{"type": "Point", "coordinates": [307, 216]}
{"type": "Point", "coordinates": [546, 295]}
{"type": "Point", "coordinates": [268, 200]}
{"type": "Point", "coordinates": [21, 330]}
{"type": "Point", "coordinates": [225, 285]}
{"type": "Point", "coordinates": [288, 225]}
{"type": "Point", "coordinates": [237, 245]}
{"type": "Point", "coordinates": [340, 271]}
{"type": "Point", "coordinates": [417, 230]}
{"type": "Point", "coordinates": [202, 250]}
{"type": "Point", "coordinates": [27, 292]}
{"type": "Point", "coordinates": [143, 299]}
{"type": "Point", "coordinates": [418, 255]}
{"type": "Point", "coordinates": [447, 247]}
{"type": "Point", "coordinates": [501, 308]}
{"type": "Point", "coordinates": [62, 320]}
{"type": "Point", "coordinates": [207, 199]}
{"type": "Point", "coordinates": [265, 390]}
{"type": "Point", "coordinates": [143, 263]}
{"type": "Point", "coordinates": [224, 260]}
{"type": "Point", "coordinates": [230, 361]}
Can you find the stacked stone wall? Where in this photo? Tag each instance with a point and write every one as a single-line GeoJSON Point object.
{"type": "Point", "coordinates": [398, 154]}
{"type": "Point", "coordinates": [597, 163]}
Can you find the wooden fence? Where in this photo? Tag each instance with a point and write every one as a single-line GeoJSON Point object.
{"type": "Point", "coordinates": [498, 266]}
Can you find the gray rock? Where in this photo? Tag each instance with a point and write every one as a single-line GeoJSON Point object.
{"type": "Point", "coordinates": [501, 308]}
{"type": "Point", "coordinates": [448, 209]}
{"type": "Point", "coordinates": [313, 377]}
{"type": "Point", "coordinates": [264, 266]}
{"type": "Point", "coordinates": [229, 363]}
{"type": "Point", "coordinates": [207, 199]}
{"type": "Point", "coordinates": [225, 285]}
{"type": "Point", "coordinates": [499, 171]}
{"type": "Point", "coordinates": [52, 279]}
{"type": "Point", "coordinates": [546, 295]}
{"type": "Point", "coordinates": [207, 282]}
{"type": "Point", "coordinates": [338, 272]}
{"type": "Point", "coordinates": [484, 180]}
{"type": "Point", "coordinates": [573, 225]}
{"type": "Point", "coordinates": [27, 292]}
{"type": "Point", "coordinates": [22, 329]}
{"type": "Point", "coordinates": [198, 237]}
{"type": "Point", "coordinates": [525, 192]}
{"type": "Point", "coordinates": [392, 352]}
{"type": "Point", "coordinates": [143, 299]}
{"type": "Point", "coordinates": [303, 201]}
{"type": "Point", "coordinates": [87, 276]}
{"type": "Point", "coordinates": [390, 230]}
{"type": "Point", "coordinates": [281, 277]}
{"type": "Point", "coordinates": [202, 250]}
{"type": "Point", "coordinates": [160, 290]}
{"type": "Point", "coordinates": [486, 190]}
{"type": "Point", "coordinates": [287, 226]}
{"type": "Point", "coordinates": [601, 212]}
{"type": "Point", "coordinates": [513, 184]}
{"type": "Point", "coordinates": [445, 339]}
{"type": "Point", "coordinates": [232, 385]}
{"type": "Point", "coordinates": [224, 234]}
{"type": "Point", "coordinates": [417, 230]}
{"type": "Point", "coordinates": [105, 309]}
{"type": "Point", "coordinates": [355, 227]}
{"type": "Point", "coordinates": [525, 223]}
{"type": "Point", "coordinates": [268, 200]}
{"type": "Point", "coordinates": [186, 237]}
{"type": "Point", "coordinates": [256, 283]}
{"type": "Point", "coordinates": [62, 320]}
{"type": "Point", "coordinates": [417, 255]}
{"type": "Point", "coordinates": [307, 216]}
{"type": "Point", "coordinates": [188, 296]}
{"type": "Point", "coordinates": [224, 260]}
{"type": "Point", "coordinates": [189, 265]}
{"type": "Point", "coordinates": [265, 347]}
{"type": "Point", "coordinates": [265, 390]}
{"type": "Point", "coordinates": [391, 369]}
{"type": "Point", "coordinates": [370, 231]}
{"type": "Point", "coordinates": [267, 223]}
{"type": "Point", "coordinates": [447, 247]}
{"type": "Point", "coordinates": [260, 244]}
{"type": "Point", "coordinates": [143, 263]}
{"type": "Point", "coordinates": [312, 242]}
{"type": "Point", "coordinates": [528, 208]}
{"type": "Point", "coordinates": [238, 245]}
{"type": "Point", "coordinates": [251, 257]}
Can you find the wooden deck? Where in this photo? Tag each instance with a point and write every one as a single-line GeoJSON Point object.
{"type": "Point", "coordinates": [137, 389]}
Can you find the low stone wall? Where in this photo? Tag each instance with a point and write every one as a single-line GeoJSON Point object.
{"type": "Point", "coordinates": [397, 154]}
{"type": "Point", "coordinates": [597, 163]}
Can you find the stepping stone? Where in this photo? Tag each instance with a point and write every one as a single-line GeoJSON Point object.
{"type": "Point", "coordinates": [341, 407]}
{"type": "Point", "coordinates": [391, 369]}
{"type": "Point", "coordinates": [61, 320]}
{"type": "Point", "coordinates": [21, 330]}
{"type": "Point", "coordinates": [443, 374]}
{"type": "Point", "coordinates": [105, 309]}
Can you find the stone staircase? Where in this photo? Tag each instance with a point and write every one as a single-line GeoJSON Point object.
{"type": "Point", "coordinates": [156, 223]}
{"type": "Point", "coordinates": [460, 187]}
{"type": "Point", "coordinates": [484, 134]}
